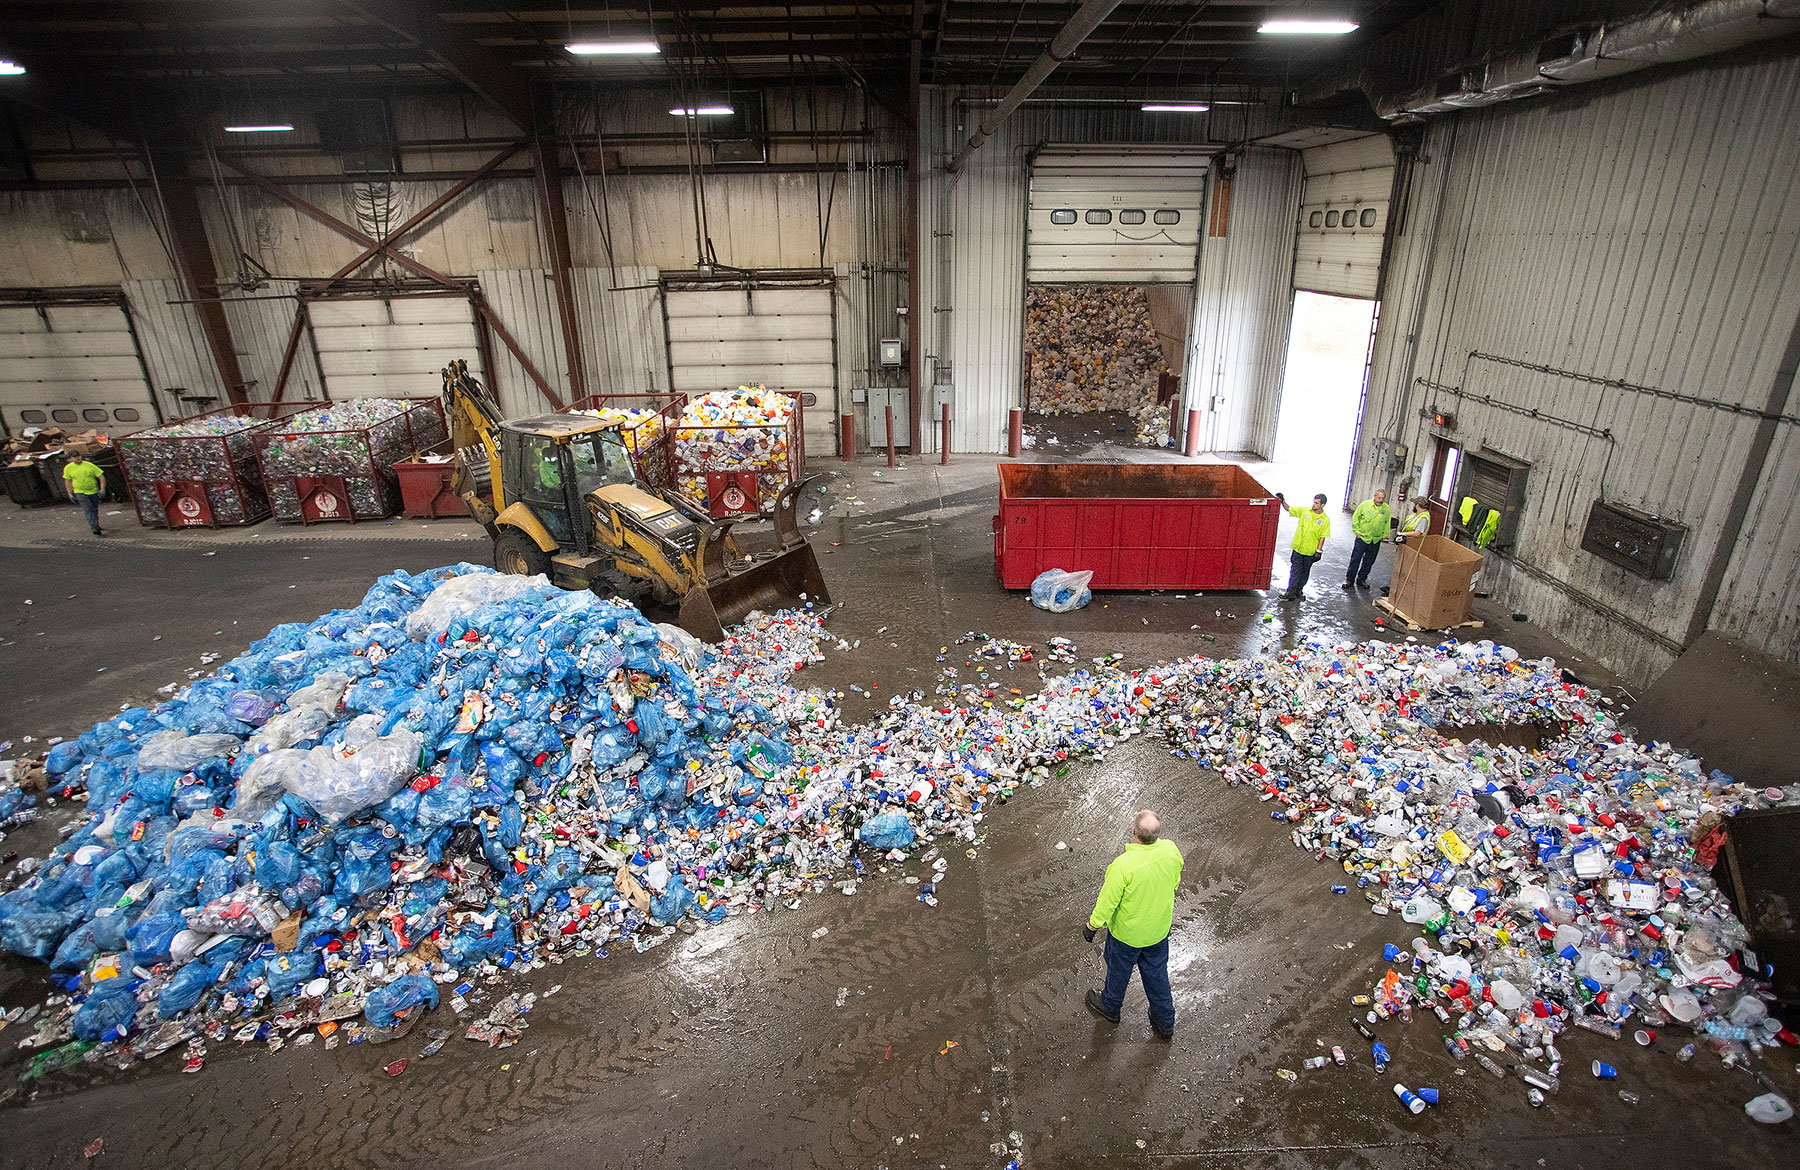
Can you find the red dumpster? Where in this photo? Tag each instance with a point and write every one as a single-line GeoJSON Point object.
{"type": "Point", "coordinates": [428, 487]}
{"type": "Point", "coordinates": [1135, 525]}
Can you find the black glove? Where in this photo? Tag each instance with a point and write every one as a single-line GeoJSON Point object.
{"type": "Point", "coordinates": [1088, 933]}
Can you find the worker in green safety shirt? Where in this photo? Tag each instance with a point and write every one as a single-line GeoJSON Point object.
{"type": "Point", "coordinates": [1136, 908]}
{"type": "Point", "coordinates": [87, 483]}
{"type": "Point", "coordinates": [1370, 522]}
{"type": "Point", "coordinates": [1308, 545]}
{"type": "Point", "coordinates": [1417, 522]}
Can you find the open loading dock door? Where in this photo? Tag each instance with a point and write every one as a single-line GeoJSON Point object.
{"type": "Point", "coordinates": [1344, 216]}
{"type": "Point", "coordinates": [1107, 215]}
{"type": "Point", "coordinates": [72, 362]}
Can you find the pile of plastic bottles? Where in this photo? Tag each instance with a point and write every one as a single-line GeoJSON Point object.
{"type": "Point", "coordinates": [1092, 347]}
{"type": "Point", "coordinates": [360, 439]}
{"type": "Point", "coordinates": [216, 450]}
{"type": "Point", "coordinates": [471, 771]}
{"type": "Point", "coordinates": [747, 429]}
{"type": "Point", "coordinates": [641, 429]}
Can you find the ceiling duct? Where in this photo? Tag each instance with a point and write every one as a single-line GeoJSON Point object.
{"type": "Point", "coordinates": [1671, 33]}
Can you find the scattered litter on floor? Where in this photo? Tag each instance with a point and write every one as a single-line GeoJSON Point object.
{"type": "Point", "coordinates": [471, 776]}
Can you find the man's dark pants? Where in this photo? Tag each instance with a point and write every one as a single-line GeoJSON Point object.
{"type": "Point", "coordinates": [1362, 559]}
{"type": "Point", "coordinates": [1300, 569]}
{"type": "Point", "coordinates": [1152, 963]}
{"type": "Point", "coordinates": [90, 507]}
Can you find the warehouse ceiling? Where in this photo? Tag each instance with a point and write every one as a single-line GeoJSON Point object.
{"type": "Point", "coordinates": [143, 46]}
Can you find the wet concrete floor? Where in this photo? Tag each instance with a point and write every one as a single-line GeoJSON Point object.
{"type": "Point", "coordinates": [906, 1036]}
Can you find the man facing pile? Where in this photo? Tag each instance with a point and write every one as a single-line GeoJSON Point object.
{"type": "Point", "coordinates": [1136, 908]}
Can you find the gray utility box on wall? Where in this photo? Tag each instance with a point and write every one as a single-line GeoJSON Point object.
{"type": "Point", "coordinates": [1637, 542]}
{"type": "Point", "coordinates": [1496, 481]}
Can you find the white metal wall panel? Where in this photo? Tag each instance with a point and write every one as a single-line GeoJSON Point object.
{"type": "Point", "coordinates": [261, 322]}
{"type": "Point", "coordinates": [1647, 234]}
{"type": "Point", "coordinates": [391, 348]}
{"type": "Point", "coordinates": [1343, 216]}
{"type": "Point", "coordinates": [525, 302]}
{"type": "Point", "coordinates": [174, 345]}
{"type": "Point", "coordinates": [1243, 307]}
{"type": "Point", "coordinates": [720, 339]}
{"type": "Point", "coordinates": [73, 366]}
{"type": "Point", "coordinates": [622, 330]}
{"type": "Point", "coordinates": [1104, 182]}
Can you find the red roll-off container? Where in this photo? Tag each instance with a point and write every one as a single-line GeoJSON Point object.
{"type": "Point", "coordinates": [1136, 525]}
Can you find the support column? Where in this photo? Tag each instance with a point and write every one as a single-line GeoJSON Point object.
{"type": "Point", "coordinates": [548, 163]}
{"type": "Point", "coordinates": [193, 255]}
{"type": "Point", "coordinates": [915, 279]}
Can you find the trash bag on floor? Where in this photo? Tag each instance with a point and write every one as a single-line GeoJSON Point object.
{"type": "Point", "coordinates": [407, 991]}
{"type": "Point", "coordinates": [340, 787]}
{"type": "Point", "coordinates": [1060, 591]}
{"type": "Point", "coordinates": [110, 1005]}
{"type": "Point", "coordinates": [177, 750]}
{"type": "Point", "coordinates": [888, 831]}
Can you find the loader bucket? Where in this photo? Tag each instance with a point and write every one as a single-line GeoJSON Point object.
{"type": "Point", "coordinates": [774, 584]}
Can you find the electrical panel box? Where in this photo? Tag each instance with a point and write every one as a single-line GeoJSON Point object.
{"type": "Point", "coordinates": [892, 352]}
{"type": "Point", "coordinates": [880, 398]}
{"type": "Point", "coordinates": [1497, 484]}
{"type": "Point", "coordinates": [1636, 541]}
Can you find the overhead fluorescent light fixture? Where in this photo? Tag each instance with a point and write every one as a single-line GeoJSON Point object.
{"type": "Point", "coordinates": [614, 48]}
{"type": "Point", "coordinates": [703, 111]}
{"type": "Point", "coordinates": [1307, 28]}
{"type": "Point", "coordinates": [1175, 108]}
{"type": "Point", "coordinates": [11, 69]}
{"type": "Point", "coordinates": [269, 128]}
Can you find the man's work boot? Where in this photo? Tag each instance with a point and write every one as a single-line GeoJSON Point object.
{"type": "Point", "coordinates": [1159, 1033]}
{"type": "Point", "coordinates": [1094, 1005]}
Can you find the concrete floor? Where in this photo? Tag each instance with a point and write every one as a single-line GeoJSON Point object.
{"type": "Point", "coordinates": [729, 1049]}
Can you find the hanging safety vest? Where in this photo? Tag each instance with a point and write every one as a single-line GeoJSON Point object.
{"type": "Point", "coordinates": [1489, 528]}
{"type": "Point", "coordinates": [1466, 513]}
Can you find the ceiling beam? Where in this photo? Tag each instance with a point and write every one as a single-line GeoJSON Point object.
{"type": "Point", "coordinates": [452, 47]}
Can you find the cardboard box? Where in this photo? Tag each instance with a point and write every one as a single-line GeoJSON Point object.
{"type": "Point", "coordinates": [1432, 578]}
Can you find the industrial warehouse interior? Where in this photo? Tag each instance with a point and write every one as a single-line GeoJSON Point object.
{"type": "Point", "coordinates": [915, 584]}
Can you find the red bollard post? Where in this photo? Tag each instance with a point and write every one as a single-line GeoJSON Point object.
{"type": "Point", "coordinates": [847, 437]}
{"type": "Point", "coordinates": [944, 442]}
{"type": "Point", "coordinates": [1192, 446]}
{"type": "Point", "coordinates": [1015, 432]}
{"type": "Point", "coordinates": [892, 462]}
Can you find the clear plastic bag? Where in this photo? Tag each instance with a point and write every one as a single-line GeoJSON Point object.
{"type": "Point", "coordinates": [461, 596]}
{"type": "Point", "coordinates": [264, 782]}
{"type": "Point", "coordinates": [1060, 591]}
{"type": "Point", "coordinates": [173, 749]}
{"type": "Point", "coordinates": [338, 788]}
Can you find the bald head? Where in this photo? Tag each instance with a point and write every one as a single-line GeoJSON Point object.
{"type": "Point", "coordinates": [1146, 827]}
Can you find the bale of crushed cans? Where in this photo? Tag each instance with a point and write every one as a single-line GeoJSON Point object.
{"type": "Point", "coordinates": [335, 462]}
{"type": "Point", "coordinates": [749, 429]}
{"type": "Point", "coordinates": [201, 471]}
{"type": "Point", "coordinates": [470, 771]}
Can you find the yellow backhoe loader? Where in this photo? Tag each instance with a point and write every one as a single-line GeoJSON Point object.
{"type": "Point", "coordinates": [560, 496]}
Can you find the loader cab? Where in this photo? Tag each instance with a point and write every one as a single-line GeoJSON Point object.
{"type": "Point", "coordinates": [551, 464]}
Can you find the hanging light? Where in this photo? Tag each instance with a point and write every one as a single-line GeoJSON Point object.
{"type": "Point", "coordinates": [1175, 108]}
{"type": "Point", "coordinates": [268, 128]}
{"type": "Point", "coordinates": [613, 48]}
{"type": "Point", "coordinates": [11, 69]}
{"type": "Point", "coordinates": [702, 111]}
{"type": "Point", "coordinates": [1307, 28]}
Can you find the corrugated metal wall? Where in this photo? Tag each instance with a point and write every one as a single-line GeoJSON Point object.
{"type": "Point", "coordinates": [1644, 231]}
{"type": "Point", "coordinates": [173, 345]}
{"type": "Point", "coordinates": [261, 321]}
{"type": "Point", "coordinates": [972, 226]}
{"type": "Point", "coordinates": [1243, 305]}
{"type": "Point", "coordinates": [621, 333]}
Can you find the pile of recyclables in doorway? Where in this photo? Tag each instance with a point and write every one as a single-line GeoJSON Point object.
{"type": "Point", "coordinates": [470, 771]}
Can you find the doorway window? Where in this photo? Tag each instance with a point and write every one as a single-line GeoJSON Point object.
{"type": "Point", "coordinates": [1445, 457]}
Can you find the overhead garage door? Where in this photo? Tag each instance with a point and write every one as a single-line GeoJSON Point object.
{"type": "Point", "coordinates": [391, 348]}
{"type": "Point", "coordinates": [1107, 215]}
{"type": "Point", "coordinates": [72, 366]}
{"type": "Point", "coordinates": [1343, 216]}
{"type": "Point", "coordinates": [720, 339]}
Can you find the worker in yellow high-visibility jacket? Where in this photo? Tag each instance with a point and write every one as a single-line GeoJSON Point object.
{"type": "Point", "coordinates": [1308, 545]}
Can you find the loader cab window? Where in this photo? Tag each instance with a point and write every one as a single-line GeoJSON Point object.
{"type": "Point", "coordinates": [601, 460]}
{"type": "Point", "coordinates": [534, 463]}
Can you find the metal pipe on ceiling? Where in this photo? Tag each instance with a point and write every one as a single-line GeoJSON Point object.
{"type": "Point", "coordinates": [1062, 46]}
